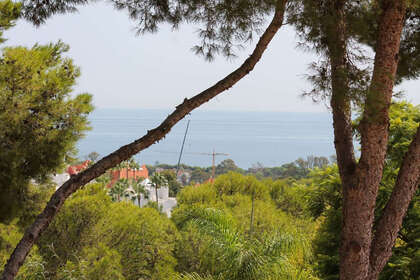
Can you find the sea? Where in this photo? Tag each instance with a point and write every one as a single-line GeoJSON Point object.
{"type": "Point", "coordinates": [248, 138]}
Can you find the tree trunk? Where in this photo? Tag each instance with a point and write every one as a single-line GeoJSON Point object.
{"type": "Point", "coordinates": [251, 227]}
{"type": "Point", "coordinates": [391, 220]}
{"type": "Point", "coordinates": [359, 195]}
{"type": "Point", "coordinates": [340, 99]}
{"type": "Point", "coordinates": [33, 233]}
{"type": "Point", "coordinates": [157, 198]}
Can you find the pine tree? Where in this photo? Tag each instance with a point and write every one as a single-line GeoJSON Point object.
{"type": "Point", "coordinates": [330, 27]}
{"type": "Point", "coordinates": [333, 26]}
{"type": "Point", "coordinates": [39, 122]}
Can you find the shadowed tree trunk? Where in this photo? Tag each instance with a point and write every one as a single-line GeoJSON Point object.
{"type": "Point", "coordinates": [33, 233]}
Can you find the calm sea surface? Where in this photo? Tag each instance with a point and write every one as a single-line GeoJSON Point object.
{"type": "Point", "coordinates": [271, 138]}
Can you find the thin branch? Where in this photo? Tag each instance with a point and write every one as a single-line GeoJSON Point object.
{"type": "Point", "coordinates": [391, 220]}
{"type": "Point", "coordinates": [33, 233]}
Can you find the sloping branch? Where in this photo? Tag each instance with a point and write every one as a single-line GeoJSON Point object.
{"type": "Point", "coordinates": [391, 220]}
{"type": "Point", "coordinates": [33, 233]}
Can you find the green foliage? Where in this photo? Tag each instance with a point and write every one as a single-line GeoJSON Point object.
{"type": "Point", "coordinates": [143, 238]}
{"type": "Point", "coordinates": [38, 11]}
{"type": "Point", "coordinates": [34, 201]}
{"type": "Point", "coordinates": [223, 25]}
{"type": "Point", "coordinates": [204, 193]}
{"type": "Point", "coordinates": [33, 269]}
{"type": "Point", "coordinates": [315, 23]}
{"type": "Point", "coordinates": [404, 120]}
{"type": "Point", "coordinates": [74, 226]}
{"type": "Point", "coordinates": [9, 13]}
{"type": "Point", "coordinates": [93, 156]}
{"type": "Point", "coordinates": [93, 238]}
{"type": "Point", "coordinates": [39, 122]}
{"type": "Point", "coordinates": [226, 166]}
{"type": "Point", "coordinates": [98, 263]}
{"type": "Point", "coordinates": [158, 180]}
{"type": "Point", "coordinates": [119, 190]}
{"type": "Point", "coordinates": [200, 175]}
{"type": "Point", "coordinates": [326, 191]}
{"type": "Point", "coordinates": [298, 169]}
{"type": "Point", "coordinates": [173, 184]}
{"type": "Point", "coordinates": [232, 183]}
{"type": "Point", "coordinates": [130, 163]}
{"type": "Point", "coordinates": [34, 266]}
{"type": "Point", "coordinates": [325, 200]}
{"type": "Point", "coordinates": [216, 241]}
{"type": "Point", "coordinates": [217, 248]}
{"type": "Point", "coordinates": [139, 189]}
{"type": "Point", "coordinates": [288, 196]}
{"type": "Point", "coordinates": [9, 237]}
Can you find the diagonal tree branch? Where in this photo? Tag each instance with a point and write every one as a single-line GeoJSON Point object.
{"type": "Point", "coordinates": [391, 220]}
{"type": "Point", "coordinates": [33, 233]}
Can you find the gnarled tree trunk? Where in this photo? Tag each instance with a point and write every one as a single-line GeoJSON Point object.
{"type": "Point", "coordinates": [33, 233]}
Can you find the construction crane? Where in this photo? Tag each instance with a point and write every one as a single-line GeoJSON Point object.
{"type": "Point", "coordinates": [213, 154]}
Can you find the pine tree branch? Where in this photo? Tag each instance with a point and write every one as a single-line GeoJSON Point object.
{"type": "Point", "coordinates": [391, 220]}
{"type": "Point", "coordinates": [33, 233]}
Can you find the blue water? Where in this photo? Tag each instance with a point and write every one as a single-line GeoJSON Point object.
{"type": "Point", "coordinates": [270, 138]}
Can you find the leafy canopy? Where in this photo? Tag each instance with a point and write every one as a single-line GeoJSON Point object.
{"type": "Point", "coordinates": [40, 122]}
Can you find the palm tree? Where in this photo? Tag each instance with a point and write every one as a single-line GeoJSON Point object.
{"type": "Point", "coordinates": [241, 258]}
{"type": "Point", "coordinates": [139, 189]}
{"type": "Point", "coordinates": [119, 190]}
{"type": "Point", "coordinates": [158, 180]}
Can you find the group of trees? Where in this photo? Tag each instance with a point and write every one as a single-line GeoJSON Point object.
{"type": "Point", "coordinates": [40, 124]}
{"type": "Point", "coordinates": [134, 190]}
{"type": "Point", "coordinates": [95, 238]}
{"type": "Point", "coordinates": [298, 169]}
{"type": "Point", "coordinates": [229, 230]}
{"type": "Point", "coordinates": [237, 227]}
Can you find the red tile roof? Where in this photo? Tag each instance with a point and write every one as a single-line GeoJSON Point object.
{"type": "Point", "coordinates": [127, 173]}
{"type": "Point", "coordinates": [74, 169]}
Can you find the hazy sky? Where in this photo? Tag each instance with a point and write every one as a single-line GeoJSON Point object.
{"type": "Point", "coordinates": [123, 70]}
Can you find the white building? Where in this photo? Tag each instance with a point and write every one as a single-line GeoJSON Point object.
{"type": "Point", "coordinates": [60, 179]}
{"type": "Point", "coordinates": [167, 203]}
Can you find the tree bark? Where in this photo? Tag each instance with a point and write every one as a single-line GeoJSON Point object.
{"type": "Point", "coordinates": [391, 220]}
{"type": "Point", "coordinates": [359, 198]}
{"type": "Point", "coordinates": [33, 233]}
{"type": "Point", "coordinates": [340, 99]}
